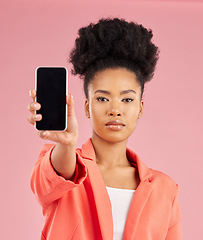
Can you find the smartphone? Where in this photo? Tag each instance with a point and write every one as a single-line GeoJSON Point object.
{"type": "Point", "coordinates": [51, 91]}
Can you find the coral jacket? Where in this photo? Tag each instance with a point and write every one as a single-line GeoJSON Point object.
{"type": "Point", "coordinates": [81, 210]}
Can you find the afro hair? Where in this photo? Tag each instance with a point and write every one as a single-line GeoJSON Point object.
{"type": "Point", "coordinates": [113, 43]}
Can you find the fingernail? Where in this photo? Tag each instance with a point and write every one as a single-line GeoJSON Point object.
{"type": "Point", "coordinates": [36, 105]}
{"type": "Point", "coordinates": [44, 134]}
{"type": "Point", "coordinates": [37, 117]}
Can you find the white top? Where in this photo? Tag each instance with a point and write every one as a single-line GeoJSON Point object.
{"type": "Point", "coordinates": [120, 202]}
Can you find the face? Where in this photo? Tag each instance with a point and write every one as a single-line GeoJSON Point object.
{"type": "Point", "coordinates": [114, 104]}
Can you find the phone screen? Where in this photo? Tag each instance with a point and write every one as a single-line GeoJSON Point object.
{"type": "Point", "coordinates": [51, 87]}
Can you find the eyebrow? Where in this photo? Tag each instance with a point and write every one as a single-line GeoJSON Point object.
{"type": "Point", "coordinates": [121, 93]}
{"type": "Point", "coordinates": [127, 91]}
{"type": "Point", "coordinates": [102, 91]}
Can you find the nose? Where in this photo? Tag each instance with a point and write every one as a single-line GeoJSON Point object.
{"type": "Point", "coordinates": [114, 110]}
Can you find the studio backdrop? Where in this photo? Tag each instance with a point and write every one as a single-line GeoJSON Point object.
{"type": "Point", "coordinates": [169, 134]}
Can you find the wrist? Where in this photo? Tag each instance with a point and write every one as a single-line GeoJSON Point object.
{"type": "Point", "coordinates": [68, 144]}
{"type": "Point", "coordinates": [68, 140]}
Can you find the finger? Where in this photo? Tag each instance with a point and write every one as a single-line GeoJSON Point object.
{"type": "Point", "coordinates": [34, 118]}
{"type": "Point", "coordinates": [33, 106]}
{"type": "Point", "coordinates": [32, 94]}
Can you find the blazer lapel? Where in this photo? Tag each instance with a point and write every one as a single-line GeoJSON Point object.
{"type": "Point", "coordinates": [140, 197]}
{"type": "Point", "coordinates": [102, 201]}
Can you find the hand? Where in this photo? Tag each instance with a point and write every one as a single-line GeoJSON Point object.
{"type": "Point", "coordinates": [66, 137]}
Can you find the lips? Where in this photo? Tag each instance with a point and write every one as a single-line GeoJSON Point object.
{"type": "Point", "coordinates": [115, 125]}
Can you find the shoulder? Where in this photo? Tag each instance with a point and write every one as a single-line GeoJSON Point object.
{"type": "Point", "coordinates": [161, 178]}
{"type": "Point", "coordinates": [154, 176]}
{"type": "Point", "coordinates": [163, 183]}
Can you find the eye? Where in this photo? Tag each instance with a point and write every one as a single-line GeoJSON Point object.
{"type": "Point", "coordinates": [102, 99]}
{"type": "Point", "coordinates": [127, 100]}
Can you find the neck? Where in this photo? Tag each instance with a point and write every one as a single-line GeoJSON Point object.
{"type": "Point", "coordinates": [108, 154]}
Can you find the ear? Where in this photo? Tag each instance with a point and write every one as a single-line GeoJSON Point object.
{"type": "Point", "coordinates": [141, 109]}
{"type": "Point", "coordinates": [86, 105]}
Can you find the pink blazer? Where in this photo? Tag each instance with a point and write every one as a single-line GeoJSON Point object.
{"type": "Point", "coordinates": [81, 210]}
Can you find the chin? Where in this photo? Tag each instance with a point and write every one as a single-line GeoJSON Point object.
{"type": "Point", "coordinates": [113, 137]}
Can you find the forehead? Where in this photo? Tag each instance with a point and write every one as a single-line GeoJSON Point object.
{"type": "Point", "coordinates": [114, 79]}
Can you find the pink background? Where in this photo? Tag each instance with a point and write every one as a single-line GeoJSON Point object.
{"type": "Point", "coordinates": [169, 135]}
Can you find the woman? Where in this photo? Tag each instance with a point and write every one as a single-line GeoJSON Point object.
{"type": "Point", "coordinates": [103, 190]}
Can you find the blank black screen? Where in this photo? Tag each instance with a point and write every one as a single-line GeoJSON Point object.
{"type": "Point", "coordinates": [51, 94]}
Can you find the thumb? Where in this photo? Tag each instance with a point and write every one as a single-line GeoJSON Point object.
{"type": "Point", "coordinates": [70, 105]}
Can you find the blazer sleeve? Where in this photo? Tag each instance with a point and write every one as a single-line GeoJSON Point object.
{"type": "Point", "coordinates": [174, 230]}
{"type": "Point", "coordinates": [46, 184]}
